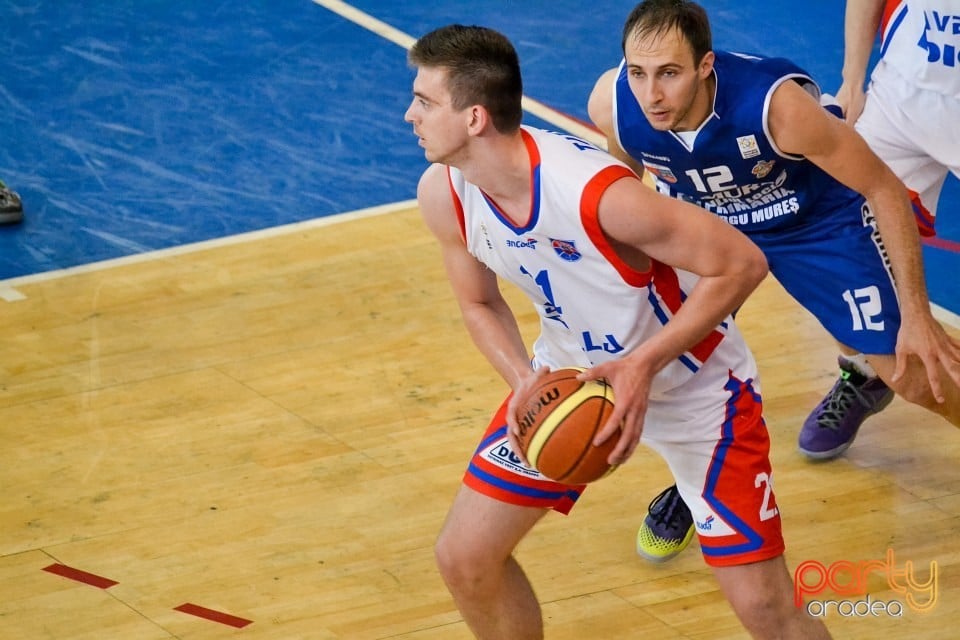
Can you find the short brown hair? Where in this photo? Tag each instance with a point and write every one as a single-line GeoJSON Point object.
{"type": "Point", "coordinates": [656, 17]}
{"type": "Point", "coordinates": [482, 67]}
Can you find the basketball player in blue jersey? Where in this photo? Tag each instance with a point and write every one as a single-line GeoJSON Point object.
{"type": "Point", "coordinates": [746, 138]}
{"type": "Point", "coordinates": [632, 285]}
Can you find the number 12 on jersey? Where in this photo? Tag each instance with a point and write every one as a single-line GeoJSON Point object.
{"type": "Point", "coordinates": [865, 308]}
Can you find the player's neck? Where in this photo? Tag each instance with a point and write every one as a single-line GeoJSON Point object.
{"type": "Point", "coordinates": [500, 167]}
{"type": "Point", "coordinates": [701, 108]}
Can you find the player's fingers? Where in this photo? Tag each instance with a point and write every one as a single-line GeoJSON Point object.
{"type": "Point", "coordinates": [953, 369]}
{"type": "Point", "coordinates": [516, 448]}
{"type": "Point", "coordinates": [513, 427]}
{"type": "Point", "coordinates": [632, 445]}
{"type": "Point", "coordinates": [610, 427]}
{"type": "Point", "coordinates": [954, 344]}
{"type": "Point", "coordinates": [900, 366]}
{"type": "Point", "coordinates": [629, 430]}
{"type": "Point", "coordinates": [954, 373]}
{"type": "Point", "coordinates": [531, 381]}
{"type": "Point", "coordinates": [593, 373]}
{"type": "Point", "coordinates": [935, 388]}
{"type": "Point", "coordinates": [933, 378]}
{"type": "Point", "coordinates": [950, 356]}
{"type": "Point", "coordinates": [522, 391]}
{"type": "Point", "coordinates": [620, 452]}
{"type": "Point", "coordinates": [853, 110]}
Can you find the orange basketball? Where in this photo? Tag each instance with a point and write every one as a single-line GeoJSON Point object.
{"type": "Point", "coordinates": [558, 422]}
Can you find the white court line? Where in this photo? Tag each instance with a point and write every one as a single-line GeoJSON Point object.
{"type": "Point", "coordinates": [945, 316]}
{"type": "Point", "coordinates": [394, 35]}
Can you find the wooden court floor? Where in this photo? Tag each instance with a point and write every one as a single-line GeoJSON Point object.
{"type": "Point", "coordinates": [269, 432]}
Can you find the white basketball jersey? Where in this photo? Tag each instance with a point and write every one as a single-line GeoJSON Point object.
{"type": "Point", "coordinates": [921, 40]}
{"type": "Point", "coordinates": [592, 306]}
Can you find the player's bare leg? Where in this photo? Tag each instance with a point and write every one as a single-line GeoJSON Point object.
{"type": "Point", "coordinates": [474, 555]}
{"type": "Point", "coordinates": [914, 387]}
{"type": "Point", "coordinates": [761, 594]}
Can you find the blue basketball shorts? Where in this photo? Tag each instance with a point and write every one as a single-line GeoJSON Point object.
{"type": "Point", "coordinates": [836, 267]}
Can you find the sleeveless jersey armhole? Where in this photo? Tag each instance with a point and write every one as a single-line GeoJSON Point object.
{"type": "Point", "coordinates": [889, 24]}
{"type": "Point", "coordinates": [589, 205]}
{"type": "Point", "coordinates": [457, 207]}
{"type": "Point", "coordinates": [808, 84]}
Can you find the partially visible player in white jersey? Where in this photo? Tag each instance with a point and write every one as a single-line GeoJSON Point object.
{"type": "Point", "coordinates": [910, 112]}
{"type": "Point", "coordinates": [635, 286]}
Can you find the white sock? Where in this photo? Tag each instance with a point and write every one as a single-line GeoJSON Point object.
{"type": "Point", "coordinates": [860, 364]}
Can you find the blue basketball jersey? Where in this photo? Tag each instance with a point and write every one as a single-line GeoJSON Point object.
{"type": "Point", "coordinates": [819, 237]}
{"type": "Point", "coordinates": [734, 169]}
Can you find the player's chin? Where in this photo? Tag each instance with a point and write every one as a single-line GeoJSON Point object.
{"type": "Point", "coordinates": [660, 121]}
{"type": "Point", "coordinates": [662, 126]}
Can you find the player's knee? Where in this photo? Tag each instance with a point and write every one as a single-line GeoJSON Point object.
{"type": "Point", "coordinates": [447, 556]}
{"type": "Point", "coordinates": [461, 569]}
{"type": "Point", "coordinates": [765, 612]}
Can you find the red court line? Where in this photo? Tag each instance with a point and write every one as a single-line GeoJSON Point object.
{"type": "Point", "coordinates": [215, 616]}
{"type": "Point", "coordinates": [81, 576]}
{"type": "Point", "coordinates": [942, 243]}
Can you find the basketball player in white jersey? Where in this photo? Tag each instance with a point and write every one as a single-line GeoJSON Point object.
{"type": "Point", "coordinates": [634, 286]}
{"type": "Point", "coordinates": [910, 116]}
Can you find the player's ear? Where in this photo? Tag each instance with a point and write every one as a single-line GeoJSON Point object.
{"type": "Point", "coordinates": [478, 118]}
{"type": "Point", "coordinates": [705, 68]}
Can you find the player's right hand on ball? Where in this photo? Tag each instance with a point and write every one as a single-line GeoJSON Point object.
{"type": "Point", "coordinates": [513, 425]}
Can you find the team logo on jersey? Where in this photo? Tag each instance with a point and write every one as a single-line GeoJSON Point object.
{"type": "Point", "coordinates": [748, 146]}
{"type": "Point", "coordinates": [762, 168]}
{"type": "Point", "coordinates": [660, 171]}
{"type": "Point", "coordinates": [566, 249]}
